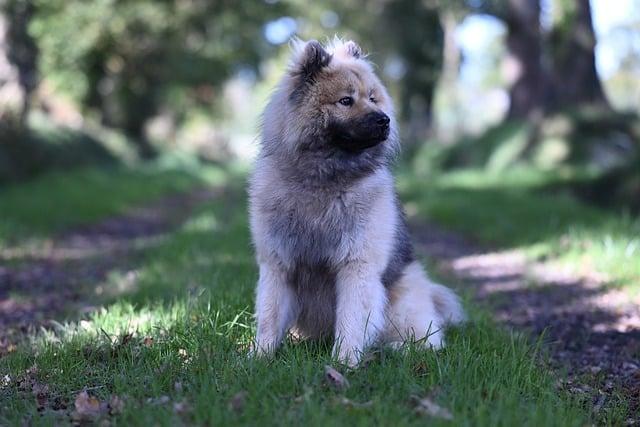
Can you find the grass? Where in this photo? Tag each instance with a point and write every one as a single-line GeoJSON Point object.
{"type": "Point", "coordinates": [37, 209]}
{"type": "Point", "coordinates": [172, 344]}
{"type": "Point", "coordinates": [518, 209]}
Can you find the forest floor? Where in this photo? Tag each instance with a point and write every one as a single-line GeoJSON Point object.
{"type": "Point", "coordinates": [140, 309]}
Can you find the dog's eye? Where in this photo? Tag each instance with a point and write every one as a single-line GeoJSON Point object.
{"type": "Point", "coordinates": [347, 101]}
{"type": "Point", "coordinates": [373, 99]}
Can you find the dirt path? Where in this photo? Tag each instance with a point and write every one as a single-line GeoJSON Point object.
{"type": "Point", "coordinates": [593, 331]}
{"type": "Point", "coordinates": [61, 278]}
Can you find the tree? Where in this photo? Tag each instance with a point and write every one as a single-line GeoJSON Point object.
{"type": "Point", "coordinates": [418, 36]}
{"type": "Point", "coordinates": [571, 43]}
{"type": "Point", "coordinates": [524, 43]}
{"type": "Point", "coordinates": [21, 50]}
{"type": "Point", "coordinates": [127, 60]}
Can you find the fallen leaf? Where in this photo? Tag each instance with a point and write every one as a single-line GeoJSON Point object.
{"type": "Point", "coordinates": [88, 407]}
{"type": "Point", "coordinates": [426, 406]}
{"type": "Point", "coordinates": [335, 378]}
{"type": "Point", "coordinates": [238, 401]}
{"type": "Point", "coordinates": [147, 342]}
{"type": "Point", "coordinates": [41, 393]}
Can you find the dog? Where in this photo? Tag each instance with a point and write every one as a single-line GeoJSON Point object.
{"type": "Point", "coordinates": [334, 254]}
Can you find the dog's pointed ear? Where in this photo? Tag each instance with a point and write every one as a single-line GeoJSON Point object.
{"type": "Point", "coordinates": [310, 59]}
{"type": "Point", "coordinates": [352, 48]}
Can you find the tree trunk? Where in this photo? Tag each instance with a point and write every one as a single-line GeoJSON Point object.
{"type": "Point", "coordinates": [22, 50]}
{"type": "Point", "coordinates": [573, 71]}
{"type": "Point", "coordinates": [524, 42]}
{"type": "Point", "coordinates": [417, 35]}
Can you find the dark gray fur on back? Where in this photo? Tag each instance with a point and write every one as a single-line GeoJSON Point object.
{"type": "Point", "coordinates": [402, 254]}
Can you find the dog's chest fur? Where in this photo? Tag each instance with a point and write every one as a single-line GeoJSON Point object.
{"type": "Point", "coordinates": [320, 227]}
{"type": "Point", "coordinates": [314, 232]}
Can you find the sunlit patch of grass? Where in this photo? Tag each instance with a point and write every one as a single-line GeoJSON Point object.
{"type": "Point", "coordinates": [508, 210]}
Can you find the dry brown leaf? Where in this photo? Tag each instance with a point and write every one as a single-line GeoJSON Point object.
{"type": "Point", "coordinates": [335, 378]}
{"type": "Point", "coordinates": [41, 393]}
{"type": "Point", "coordinates": [147, 342]}
{"type": "Point", "coordinates": [88, 407]}
{"type": "Point", "coordinates": [238, 401]}
{"type": "Point", "coordinates": [426, 406]}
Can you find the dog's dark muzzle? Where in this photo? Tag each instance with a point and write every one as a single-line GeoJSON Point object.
{"type": "Point", "coordinates": [367, 132]}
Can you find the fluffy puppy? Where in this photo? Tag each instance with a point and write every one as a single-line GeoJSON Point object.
{"type": "Point", "coordinates": [330, 237]}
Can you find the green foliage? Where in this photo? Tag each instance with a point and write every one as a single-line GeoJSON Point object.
{"type": "Point", "coordinates": [586, 139]}
{"type": "Point", "coordinates": [130, 58]}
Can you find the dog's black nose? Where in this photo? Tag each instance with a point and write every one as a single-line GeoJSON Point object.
{"type": "Point", "coordinates": [383, 119]}
{"type": "Point", "coordinates": [378, 118]}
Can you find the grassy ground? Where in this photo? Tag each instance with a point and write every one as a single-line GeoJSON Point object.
{"type": "Point", "coordinates": [171, 343]}
{"type": "Point", "coordinates": [522, 208]}
{"type": "Point", "coordinates": [35, 210]}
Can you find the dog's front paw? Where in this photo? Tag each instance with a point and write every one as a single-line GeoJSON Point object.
{"type": "Point", "coordinates": [348, 355]}
{"type": "Point", "coordinates": [261, 349]}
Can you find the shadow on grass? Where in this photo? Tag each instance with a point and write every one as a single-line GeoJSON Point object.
{"type": "Point", "coordinates": [592, 328]}
{"type": "Point", "coordinates": [71, 242]}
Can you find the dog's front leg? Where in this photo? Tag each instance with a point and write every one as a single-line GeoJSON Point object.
{"type": "Point", "coordinates": [360, 312]}
{"type": "Point", "coordinates": [275, 308]}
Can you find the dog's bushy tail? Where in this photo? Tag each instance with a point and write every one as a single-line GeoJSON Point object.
{"type": "Point", "coordinates": [448, 304]}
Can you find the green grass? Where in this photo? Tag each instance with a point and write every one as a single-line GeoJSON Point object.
{"type": "Point", "coordinates": [39, 208]}
{"type": "Point", "coordinates": [193, 294]}
{"type": "Point", "coordinates": [517, 209]}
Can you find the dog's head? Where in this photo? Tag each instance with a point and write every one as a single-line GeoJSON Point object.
{"type": "Point", "coordinates": [331, 102]}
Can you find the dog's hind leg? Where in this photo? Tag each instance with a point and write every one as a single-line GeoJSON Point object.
{"type": "Point", "coordinates": [419, 309]}
{"type": "Point", "coordinates": [275, 309]}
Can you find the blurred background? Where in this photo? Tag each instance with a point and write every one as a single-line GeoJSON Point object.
{"type": "Point", "coordinates": [545, 85]}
